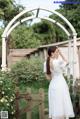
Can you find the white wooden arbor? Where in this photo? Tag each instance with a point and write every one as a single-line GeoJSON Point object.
{"type": "Point", "coordinates": [16, 21]}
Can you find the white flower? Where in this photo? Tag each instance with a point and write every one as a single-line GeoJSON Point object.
{"type": "Point", "coordinates": [13, 95]}
{"type": "Point", "coordinates": [11, 99]}
{"type": "Point", "coordinates": [6, 96]}
{"type": "Point", "coordinates": [11, 107]}
{"type": "Point", "coordinates": [13, 112]}
{"type": "Point", "coordinates": [7, 104]}
{"type": "Point", "coordinates": [1, 82]}
{"type": "Point", "coordinates": [3, 100]}
{"type": "Point", "coordinates": [2, 92]}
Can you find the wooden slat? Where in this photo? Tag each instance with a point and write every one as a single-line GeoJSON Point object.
{"type": "Point", "coordinates": [41, 106]}
{"type": "Point", "coordinates": [32, 101]}
{"type": "Point", "coordinates": [29, 113]}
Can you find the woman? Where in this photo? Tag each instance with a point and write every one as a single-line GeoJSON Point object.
{"type": "Point", "coordinates": [60, 105]}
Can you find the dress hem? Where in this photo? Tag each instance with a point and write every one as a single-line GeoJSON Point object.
{"type": "Point", "coordinates": [64, 116]}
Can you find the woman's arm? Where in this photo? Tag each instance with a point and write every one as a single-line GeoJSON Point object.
{"type": "Point", "coordinates": [63, 57]}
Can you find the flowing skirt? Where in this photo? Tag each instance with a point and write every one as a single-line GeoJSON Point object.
{"type": "Point", "coordinates": [60, 104]}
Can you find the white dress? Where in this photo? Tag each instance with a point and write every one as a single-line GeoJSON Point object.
{"type": "Point", "coordinates": [60, 104]}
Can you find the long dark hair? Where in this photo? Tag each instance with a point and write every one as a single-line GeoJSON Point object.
{"type": "Point", "coordinates": [50, 50]}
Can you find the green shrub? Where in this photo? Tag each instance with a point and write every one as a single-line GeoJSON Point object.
{"type": "Point", "coordinates": [7, 94]}
{"type": "Point", "coordinates": [28, 71]}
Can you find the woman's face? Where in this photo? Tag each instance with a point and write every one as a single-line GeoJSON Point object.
{"type": "Point", "coordinates": [55, 54]}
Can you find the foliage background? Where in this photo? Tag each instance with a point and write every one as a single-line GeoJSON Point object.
{"type": "Point", "coordinates": [27, 35]}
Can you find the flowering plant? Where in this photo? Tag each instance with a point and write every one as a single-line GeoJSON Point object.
{"type": "Point", "coordinates": [7, 93]}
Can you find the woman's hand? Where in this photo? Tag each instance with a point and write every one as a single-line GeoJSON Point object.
{"type": "Point", "coordinates": [59, 51]}
{"type": "Point", "coordinates": [48, 77]}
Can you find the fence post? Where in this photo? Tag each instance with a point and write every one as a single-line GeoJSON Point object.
{"type": "Point", "coordinates": [17, 103]}
{"type": "Point", "coordinates": [41, 106]}
{"type": "Point", "coordinates": [29, 113]}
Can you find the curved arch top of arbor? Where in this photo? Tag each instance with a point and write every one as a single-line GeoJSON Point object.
{"type": "Point", "coordinates": [38, 9]}
{"type": "Point", "coordinates": [44, 18]}
{"type": "Point", "coordinates": [17, 20]}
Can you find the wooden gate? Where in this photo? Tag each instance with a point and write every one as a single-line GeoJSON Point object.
{"type": "Point", "coordinates": [32, 101]}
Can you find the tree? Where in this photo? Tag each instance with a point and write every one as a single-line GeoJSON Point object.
{"type": "Point", "coordinates": [45, 30]}
{"type": "Point", "coordinates": [70, 4]}
{"type": "Point", "coordinates": [8, 9]}
{"type": "Point", "coordinates": [71, 12]}
{"type": "Point", "coordinates": [74, 17]}
{"type": "Point", "coordinates": [23, 37]}
{"type": "Point", "coordinates": [59, 33]}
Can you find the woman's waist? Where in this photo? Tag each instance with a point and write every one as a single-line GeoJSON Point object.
{"type": "Point", "coordinates": [57, 77]}
{"type": "Point", "coordinates": [57, 74]}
